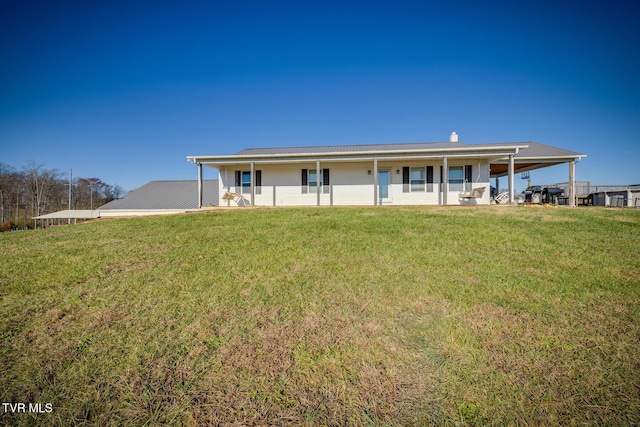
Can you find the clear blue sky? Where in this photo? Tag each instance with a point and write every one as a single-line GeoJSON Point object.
{"type": "Point", "coordinates": [124, 91]}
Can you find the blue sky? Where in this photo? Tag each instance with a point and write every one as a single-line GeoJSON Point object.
{"type": "Point", "coordinates": [124, 91]}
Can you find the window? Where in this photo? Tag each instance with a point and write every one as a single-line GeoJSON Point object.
{"type": "Point", "coordinates": [414, 179]}
{"type": "Point", "coordinates": [456, 178]}
{"type": "Point", "coordinates": [243, 182]}
{"type": "Point", "coordinates": [417, 179]}
{"type": "Point", "coordinates": [310, 181]}
{"type": "Point", "coordinates": [313, 181]}
{"type": "Point", "coordinates": [246, 182]}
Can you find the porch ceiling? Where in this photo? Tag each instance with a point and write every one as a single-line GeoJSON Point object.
{"type": "Point", "coordinates": [498, 170]}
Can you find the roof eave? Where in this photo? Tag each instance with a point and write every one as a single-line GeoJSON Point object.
{"type": "Point", "coordinates": [355, 155]}
{"type": "Point", "coordinates": [549, 159]}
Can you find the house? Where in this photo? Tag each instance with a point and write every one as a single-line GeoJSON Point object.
{"type": "Point", "coordinates": [436, 173]}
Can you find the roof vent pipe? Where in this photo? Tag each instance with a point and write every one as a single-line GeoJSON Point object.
{"type": "Point", "coordinates": [453, 137]}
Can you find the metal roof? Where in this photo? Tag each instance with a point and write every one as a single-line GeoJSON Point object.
{"type": "Point", "coordinates": [534, 149]}
{"type": "Point", "coordinates": [362, 152]}
{"type": "Point", "coordinates": [364, 148]}
{"type": "Point", "coordinates": [527, 155]}
{"type": "Point", "coordinates": [167, 195]}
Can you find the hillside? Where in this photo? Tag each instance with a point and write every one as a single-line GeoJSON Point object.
{"type": "Point", "coordinates": [325, 316]}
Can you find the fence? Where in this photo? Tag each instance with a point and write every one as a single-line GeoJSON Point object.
{"type": "Point", "coordinates": [602, 195]}
{"type": "Point", "coordinates": [583, 188]}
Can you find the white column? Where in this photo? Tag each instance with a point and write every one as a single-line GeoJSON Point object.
{"type": "Point", "coordinates": [511, 183]}
{"type": "Point", "coordinates": [318, 182]}
{"type": "Point", "coordinates": [445, 180]}
{"type": "Point", "coordinates": [572, 183]}
{"type": "Point", "coordinates": [375, 182]}
{"type": "Point", "coordinates": [200, 185]}
{"type": "Point", "coordinates": [253, 188]}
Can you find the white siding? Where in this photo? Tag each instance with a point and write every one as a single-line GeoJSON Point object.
{"type": "Point", "coordinates": [350, 182]}
{"type": "Point", "coordinates": [398, 197]}
{"type": "Point", "coordinates": [480, 178]}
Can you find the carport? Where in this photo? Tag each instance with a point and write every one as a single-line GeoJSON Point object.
{"type": "Point", "coordinates": [74, 214]}
{"type": "Point", "coordinates": [537, 156]}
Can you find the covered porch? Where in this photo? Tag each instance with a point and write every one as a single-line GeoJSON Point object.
{"type": "Point", "coordinates": [538, 156]}
{"type": "Point", "coordinates": [450, 173]}
{"type": "Point", "coordinates": [442, 178]}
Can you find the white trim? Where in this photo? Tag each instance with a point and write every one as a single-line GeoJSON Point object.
{"type": "Point", "coordinates": [470, 148]}
{"type": "Point", "coordinates": [469, 151]}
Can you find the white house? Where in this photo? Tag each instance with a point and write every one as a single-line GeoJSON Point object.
{"type": "Point", "coordinates": [437, 173]}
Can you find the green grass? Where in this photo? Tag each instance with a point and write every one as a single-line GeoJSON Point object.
{"type": "Point", "coordinates": [328, 316]}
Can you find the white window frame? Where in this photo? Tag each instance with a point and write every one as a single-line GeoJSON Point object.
{"type": "Point", "coordinates": [456, 184]}
{"type": "Point", "coordinates": [313, 189]}
{"type": "Point", "coordinates": [245, 185]}
{"type": "Point", "coordinates": [420, 184]}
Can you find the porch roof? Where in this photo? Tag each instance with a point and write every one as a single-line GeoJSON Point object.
{"type": "Point", "coordinates": [527, 155]}
{"type": "Point", "coordinates": [362, 152]}
{"type": "Point", "coordinates": [535, 156]}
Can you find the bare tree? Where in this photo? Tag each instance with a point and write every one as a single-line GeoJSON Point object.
{"type": "Point", "coordinates": [116, 192]}
{"type": "Point", "coordinates": [35, 191]}
{"type": "Point", "coordinates": [7, 176]}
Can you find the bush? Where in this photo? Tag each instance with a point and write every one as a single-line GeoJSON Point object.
{"type": "Point", "coordinates": [12, 226]}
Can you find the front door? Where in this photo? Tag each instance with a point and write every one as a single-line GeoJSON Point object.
{"type": "Point", "coordinates": [383, 186]}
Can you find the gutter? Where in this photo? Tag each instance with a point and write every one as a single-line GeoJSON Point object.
{"type": "Point", "coordinates": [356, 154]}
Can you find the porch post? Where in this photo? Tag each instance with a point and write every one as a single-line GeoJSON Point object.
{"type": "Point", "coordinates": [511, 183]}
{"type": "Point", "coordinates": [200, 185]}
{"type": "Point", "coordinates": [318, 182]}
{"type": "Point", "coordinates": [445, 180]}
{"type": "Point", "coordinates": [497, 185]}
{"type": "Point", "coordinates": [572, 183]}
{"type": "Point", "coordinates": [375, 182]}
{"type": "Point", "coordinates": [253, 188]}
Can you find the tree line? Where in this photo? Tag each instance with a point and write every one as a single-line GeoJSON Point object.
{"type": "Point", "coordinates": [33, 191]}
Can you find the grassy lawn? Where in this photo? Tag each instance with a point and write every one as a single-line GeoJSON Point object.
{"type": "Point", "coordinates": [328, 316]}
